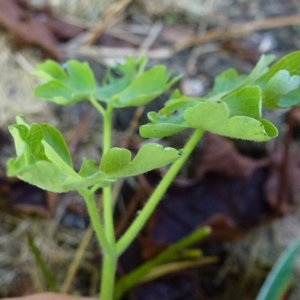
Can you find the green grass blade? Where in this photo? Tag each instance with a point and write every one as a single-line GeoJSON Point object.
{"type": "Point", "coordinates": [280, 277]}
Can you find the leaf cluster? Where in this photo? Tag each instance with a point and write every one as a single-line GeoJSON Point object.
{"type": "Point", "coordinates": [234, 108]}
{"type": "Point", "coordinates": [43, 159]}
{"type": "Point", "coordinates": [124, 85]}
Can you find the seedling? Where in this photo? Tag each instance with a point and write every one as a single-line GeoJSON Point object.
{"type": "Point", "coordinates": [233, 109]}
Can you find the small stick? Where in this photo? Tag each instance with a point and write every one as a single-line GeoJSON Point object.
{"type": "Point", "coordinates": [150, 39]}
{"type": "Point", "coordinates": [237, 30]}
{"type": "Point", "coordinates": [104, 22]}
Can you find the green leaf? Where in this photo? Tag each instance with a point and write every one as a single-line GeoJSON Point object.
{"type": "Point", "coordinates": [290, 62]}
{"type": "Point", "coordinates": [44, 160]}
{"type": "Point", "coordinates": [65, 87]}
{"type": "Point", "coordinates": [169, 120]}
{"type": "Point", "coordinates": [49, 70]}
{"type": "Point", "coordinates": [282, 77]}
{"type": "Point", "coordinates": [279, 280]}
{"type": "Point", "coordinates": [117, 161]}
{"type": "Point", "coordinates": [56, 149]}
{"type": "Point", "coordinates": [245, 102]}
{"type": "Point", "coordinates": [54, 139]}
{"type": "Point", "coordinates": [133, 86]}
{"type": "Point", "coordinates": [227, 81]}
{"type": "Point", "coordinates": [290, 99]}
{"type": "Point", "coordinates": [42, 174]}
{"type": "Point", "coordinates": [160, 130]}
{"type": "Point", "coordinates": [241, 122]}
{"type": "Point", "coordinates": [82, 78]}
{"type": "Point", "coordinates": [145, 88]}
{"type": "Point", "coordinates": [260, 68]}
{"type": "Point", "coordinates": [278, 86]}
{"type": "Point", "coordinates": [115, 85]}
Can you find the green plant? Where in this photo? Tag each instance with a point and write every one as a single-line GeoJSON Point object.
{"type": "Point", "coordinates": [233, 109]}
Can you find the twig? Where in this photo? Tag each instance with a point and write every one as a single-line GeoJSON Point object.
{"type": "Point", "coordinates": [101, 52]}
{"type": "Point", "coordinates": [104, 22]}
{"type": "Point", "coordinates": [150, 39]}
{"type": "Point", "coordinates": [237, 30]}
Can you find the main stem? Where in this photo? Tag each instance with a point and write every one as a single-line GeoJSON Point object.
{"type": "Point", "coordinates": [93, 213]}
{"type": "Point", "coordinates": [109, 263]}
{"type": "Point", "coordinates": [160, 190]}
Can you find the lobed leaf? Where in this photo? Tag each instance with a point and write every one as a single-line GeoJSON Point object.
{"type": "Point", "coordinates": [237, 116]}
{"type": "Point", "coordinates": [245, 102]}
{"type": "Point", "coordinates": [290, 62]}
{"type": "Point", "coordinates": [290, 99]}
{"type": "Point", "coordinates": [117, 161]}
{"type": "Point", "coordinates": [229, 81]}
{"type": "Point", "coordinates": [169, 120]}
{"type": "Point", "coordinates": [235, 119]}
{"type": "Point", "coordinates": [281, 84]}
{"type": "Point", "coordinates": [283, 78]}
{"type": "Point", "coordinates": [260, 68]}
{"type": "Point", "coordinates": [134, 87]}
{"type": "Point", "coordinates": [113, 85]}
{"type": "Point", "coordinates": [145, 88]}
{"type": "Point", "coordinates": [65, 86]}
{"type": "Point", "coordinates": [43, 160]}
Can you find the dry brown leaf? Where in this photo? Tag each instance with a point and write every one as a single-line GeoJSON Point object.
{"type": "Point", "coordinates": [35, 28]}
{"type": "Point", "coordinates": [221, 156]}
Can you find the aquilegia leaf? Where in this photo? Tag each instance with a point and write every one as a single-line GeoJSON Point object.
{"type": "Point", "coordinates": [169, 120]}
{"type": "Point", "coordinates": [117, 161]}
{"type": "Point", "coordinates": [64, 87]}
{"type": "Point", "coordinates": [43, 160]}
{"type": "Point", "coordinates": [132, 86]}
{"type": "Point", "coordinates": [237, 116]}
{"type": "Point", "coordinates": [280, 84]}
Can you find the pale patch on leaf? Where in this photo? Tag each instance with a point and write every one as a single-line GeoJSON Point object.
{"type": "Point", "coordinates": [278, 86]}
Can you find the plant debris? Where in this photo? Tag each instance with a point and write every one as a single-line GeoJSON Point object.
{"type": "Point", "coordinates": [35, 27]}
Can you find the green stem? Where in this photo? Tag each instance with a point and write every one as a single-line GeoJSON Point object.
{"type": "Point", "coordinates": [107, 130]}
{"type": "Point", "coordinates": [107, 195]}
{"type": "Point", "coordinates": [109, 266]}
{"type": "Point", "coordinates": [109, 263]}
{"type": "Point", "coordinates": [147, 210]}
{"type": "Point", "coordinates": [97, 105]}
{"type": "Point", "coordinates": [108, 249]}
{"type": "Point", "coordinates": [108, 215]}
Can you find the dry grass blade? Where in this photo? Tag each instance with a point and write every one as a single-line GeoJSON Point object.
{"type": "Point", "coordinates": [76, 261]}
{"type": "Point", "coordinates": [176, 266]}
